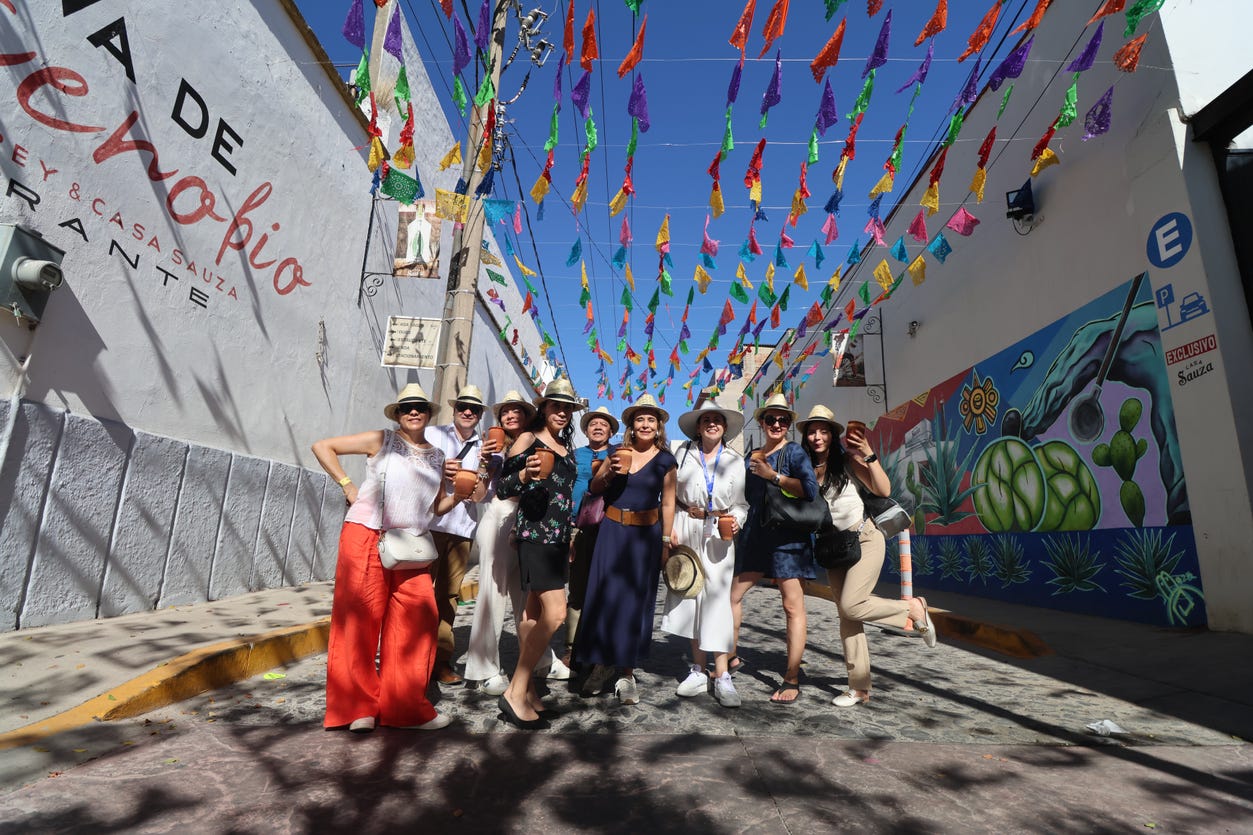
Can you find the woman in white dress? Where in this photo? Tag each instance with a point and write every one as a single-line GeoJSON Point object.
{"type": "Point", "coordinates": [499, 582]}
{"type": "Point", "coordinates": [710, 486]}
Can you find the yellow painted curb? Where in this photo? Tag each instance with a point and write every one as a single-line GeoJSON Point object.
{"type": "Point", "coordinates": [198, 671]}
{"type": "Point", "coordinates": [1007, 640]}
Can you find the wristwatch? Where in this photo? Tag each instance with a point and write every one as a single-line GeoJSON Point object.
{"type": "Point", "coordinates": [777, 479]}
{"type": "Point", "coordinates": [871, 458]}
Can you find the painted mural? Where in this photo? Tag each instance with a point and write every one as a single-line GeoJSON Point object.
{"type": "Point", "coordinates": [1050, 474]}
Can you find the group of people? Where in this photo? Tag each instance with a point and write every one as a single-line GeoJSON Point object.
{"type": "Point", "coordinates": [601, 519]}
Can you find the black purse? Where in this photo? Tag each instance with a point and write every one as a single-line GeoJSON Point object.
{"type": "Point", "coordinates": [836, 550]}
{"type": "Point", "coordinates": [795, 514]}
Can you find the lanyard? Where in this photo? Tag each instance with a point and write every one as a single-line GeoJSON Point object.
{"type": "Point", "coordinates": [709, 477]}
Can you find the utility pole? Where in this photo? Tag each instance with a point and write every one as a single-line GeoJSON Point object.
{"type": "Point", "coordinates": [455, 337]}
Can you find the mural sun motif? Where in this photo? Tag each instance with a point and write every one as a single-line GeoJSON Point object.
{"type": "Point", "coordinates": [978, 404]}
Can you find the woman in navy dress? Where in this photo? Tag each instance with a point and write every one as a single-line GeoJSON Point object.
{"type": "Point", "coordinates": [616, 627]}
{"type": "Point", "coordinates": [784, 556]}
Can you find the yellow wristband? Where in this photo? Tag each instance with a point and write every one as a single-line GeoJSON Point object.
{"type": "Point", "coordinates": [344, 481]}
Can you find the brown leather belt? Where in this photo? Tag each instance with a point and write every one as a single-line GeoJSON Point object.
{"type": "Point", "coordinates": [699, 512]}
{"type": "Point", "coordinates": [633, 518]}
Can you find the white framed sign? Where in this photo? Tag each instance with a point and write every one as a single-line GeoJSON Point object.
{"type": "Point", "coordinates": [411, 342]}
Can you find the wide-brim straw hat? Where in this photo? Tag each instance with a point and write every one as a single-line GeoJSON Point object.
{"type": "Point", "coordinates": [821, 414]}
{"type": "Point", "coordinates": [778, 402]}
{"type": "Point", "coordinates": [468, 394]}
{"type": "Point", "coordinates": [412, 393]}
{"type": "Point", "coordinates": [689, 422]}
{"type": "Point", "coordinates": [683, 572]}
{"type": "Point", "coordinates": [512, 398]}
{"type": "Point", "coordinates": [600, 412]}
{"type": "Point", "coordinates": [559, 390]}
{"type": "Point", "coordinates": [645, 403]}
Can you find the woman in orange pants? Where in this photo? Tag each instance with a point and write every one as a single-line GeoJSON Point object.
{"type": "Point", "coordinates": [394, 605]}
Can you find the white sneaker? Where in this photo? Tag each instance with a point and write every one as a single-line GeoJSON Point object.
{"type": "Point", "coordinates": [626, 691]}
{"type": "Point", "coordinates": [558, 671]}
{"type": "Point", "coordinates": [363, 725]}
{"type": "Point", "coordinates": [724, 691]}
{"type": "Point", "coordinates": [441, 720]}
{"type": "Point", "coordinates": [696, 683]}
{"type": "Point", "coordinates": [494, 686]}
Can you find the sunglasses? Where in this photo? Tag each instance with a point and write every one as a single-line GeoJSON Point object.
{"type": "Point", "coordinates": [777, 420]}
{"type": "Point", "coordinates": [406, 408]}
{"type": "Point", "coordinates": [468, 407]}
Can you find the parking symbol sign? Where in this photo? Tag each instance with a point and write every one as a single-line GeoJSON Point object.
{"type": "Point", "coordinates": [1169, 240]}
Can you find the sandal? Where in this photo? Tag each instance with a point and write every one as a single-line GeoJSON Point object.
{"type": "Point", "coordinates": [787, 687]}
{"type": "Point", "coordinates": [926, 628]}
{"type": "Point", "coordinates": [734, 662]}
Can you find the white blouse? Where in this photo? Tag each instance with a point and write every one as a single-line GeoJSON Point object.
{"type": "Point", "coordinates": [412, 478]}
{"type": "Point", "coordinates": [847, 509]}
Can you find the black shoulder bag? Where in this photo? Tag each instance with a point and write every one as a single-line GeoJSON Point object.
{"type": "Point", "coordinates": [793, 513]}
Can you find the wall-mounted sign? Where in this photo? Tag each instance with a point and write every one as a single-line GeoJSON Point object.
{"type": "Point", "coordinates": [1193, 349]}
{"type": "Point", "coordinates": [1169, 240]}
{"type": "Point", "coordinates": [417, 240]}
{"type": "Point", "coordinates": [1190, 307]}
{"type": "Point", "coordinates": [411, 342]}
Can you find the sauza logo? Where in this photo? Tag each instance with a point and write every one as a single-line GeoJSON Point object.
{"type": "Point", "coordinates": [1193, 370]}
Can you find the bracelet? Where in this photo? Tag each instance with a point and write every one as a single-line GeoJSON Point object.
{"type": "Point", "coordinates": [345, 481]}
{"type": "Point", "coordinates": [665, 540]}
{"type": "Point", "coordinates": [871, 458]}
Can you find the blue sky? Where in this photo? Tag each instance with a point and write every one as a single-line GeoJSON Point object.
{"type": "Point", "coordinates": [687, 65]}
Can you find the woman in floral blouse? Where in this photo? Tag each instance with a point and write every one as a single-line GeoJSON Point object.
{"type": "Point", "coordinates": [543, 528]}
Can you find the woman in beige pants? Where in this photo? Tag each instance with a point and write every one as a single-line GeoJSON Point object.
{"type": "Point", "coordinates": [840, 469]}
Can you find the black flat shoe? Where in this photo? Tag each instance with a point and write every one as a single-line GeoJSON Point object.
{"type": "Point", "coordinates": [506, 711]}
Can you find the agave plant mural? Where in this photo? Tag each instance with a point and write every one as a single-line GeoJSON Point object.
{"type": "Point", "coordinates": [1009, 563]}
{"type": "Point", "coordinates": [892, 555]}
{"type": "Point", "coordinates": [1148, 563]}
{"type": "Point", "coordinates": [952, 563]}
{"type": "Point", "coordinates": [942, 475]}
{"type": "Point", "coordinates": [920, 556]}
{"type": "Point", "coordinates": [1073, 564]}
{"type": "Point", "coordinates": [979, 558]}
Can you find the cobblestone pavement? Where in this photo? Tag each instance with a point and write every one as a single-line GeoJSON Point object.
{"type": "Point", "coordinates": [945, 695]}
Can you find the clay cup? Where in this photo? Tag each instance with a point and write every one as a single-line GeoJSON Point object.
{"type": "Point", "coordinates": [624, 459]}
{"type": "Point", "coordinates": [547, 459]}
{"type": "Point", "coordinates": [463, 483]}
{"type": "Point", "coordinates": [726, 526]}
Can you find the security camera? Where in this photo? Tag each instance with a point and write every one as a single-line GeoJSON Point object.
{"type": "Point", "coordinates": [37, 275]}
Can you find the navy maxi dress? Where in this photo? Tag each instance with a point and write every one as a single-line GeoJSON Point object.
{"type": "Point", "coordinates": [616, 627]}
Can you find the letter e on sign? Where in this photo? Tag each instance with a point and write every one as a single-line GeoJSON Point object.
{"type": "Point", "coordinates": [1169, 240]}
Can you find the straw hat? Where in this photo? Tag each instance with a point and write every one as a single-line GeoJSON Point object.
{"type": "Point", "coordinates": [559, 391]}
{"type": "Point", "coordinates": [683, 572]}
{"type": "Point", "coordinates": [645, 403]}
{"type": "Point", "coordinates": [689, 422]}
{"type": "Point", "coordinates": [512, 398]}
{"type": "Point", "coordinates": [412, 393]}
{"type": "Point", "coordinates": [821, 414]}
{"type": "Point", "coordinates": [468, 394]}
{"type": "Point", "coordinates": [777, 402]}
{"type": "Point", "coordinates": [600, 412]}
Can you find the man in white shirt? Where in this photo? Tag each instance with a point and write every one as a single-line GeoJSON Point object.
{"type": "Point", "coordinates": [454, 532]}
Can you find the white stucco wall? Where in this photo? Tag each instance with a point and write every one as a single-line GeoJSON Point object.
{"type": "Point", "coordinates": [1096, 210]}
{"type": "Point", "coordinates": [160, 448]}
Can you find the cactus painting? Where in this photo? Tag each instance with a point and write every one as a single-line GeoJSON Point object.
{"type": "Point", "coordinates": [1122, 453]}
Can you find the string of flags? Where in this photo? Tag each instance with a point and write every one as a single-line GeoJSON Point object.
{"type": "Point", "coordinates": [754, 305]}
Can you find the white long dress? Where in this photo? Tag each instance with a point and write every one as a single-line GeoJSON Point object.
{"type": "Point", "coordinates": [707, 617]}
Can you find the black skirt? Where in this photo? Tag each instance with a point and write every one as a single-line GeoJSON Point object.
{"type": "Point", "coordinates": [542, 566]}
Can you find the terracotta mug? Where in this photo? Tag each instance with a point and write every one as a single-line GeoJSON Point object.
{"type": "Point", "coordinates": [547, 459]}
{"type": "Point", "coordinates": [726, 527]}
{"type": "Point", "coordinates": [758, 456]}
{"type": "Point", "coordinates": [597, 463]}
{"type": "Point", "coordinates": [463, 483]}
{"type": "Point", "coordinates": [497, 436]}
{"type": "Point", "coordinates": [854, 426]}
{"type": "Point", "coordinates": [624, 459]}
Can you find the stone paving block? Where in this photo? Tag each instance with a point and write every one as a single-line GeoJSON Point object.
{"type": "Point", "coordinates": [141, 538]}
{"type": "Point", "coordinates": [329, 523]}
{"type": "Point", "coordinates": [237, 534]}
{"type": "Point", "coordinates": [195, 536]}
{"type": "Point", "coordinates": [25, 479]}
{"type": "Point", "coordinates": [276, 527]}
{"type": "Point", "coordinates": [304, 528]}
{"type": "Point", "coordinates": [78, 522]}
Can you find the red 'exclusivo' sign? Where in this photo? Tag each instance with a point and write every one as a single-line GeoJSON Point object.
{"type": "Point", "coordinates": [1193, 349]}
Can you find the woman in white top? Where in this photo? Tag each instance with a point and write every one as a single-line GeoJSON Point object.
{"type": "Point", "coordinates": [499, 581]}
{"type": "Point", "coordinates": [840, 469]}
{"type": "Point", "coordinates": [710, 485]}
{"type": "Point", "coordinates": [403, 489]}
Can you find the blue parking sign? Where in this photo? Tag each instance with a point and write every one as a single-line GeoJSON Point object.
{"type": "Point", "coordinates": [1169, 240]}
{"type": "Point", "coordinates": [1165, 295]}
